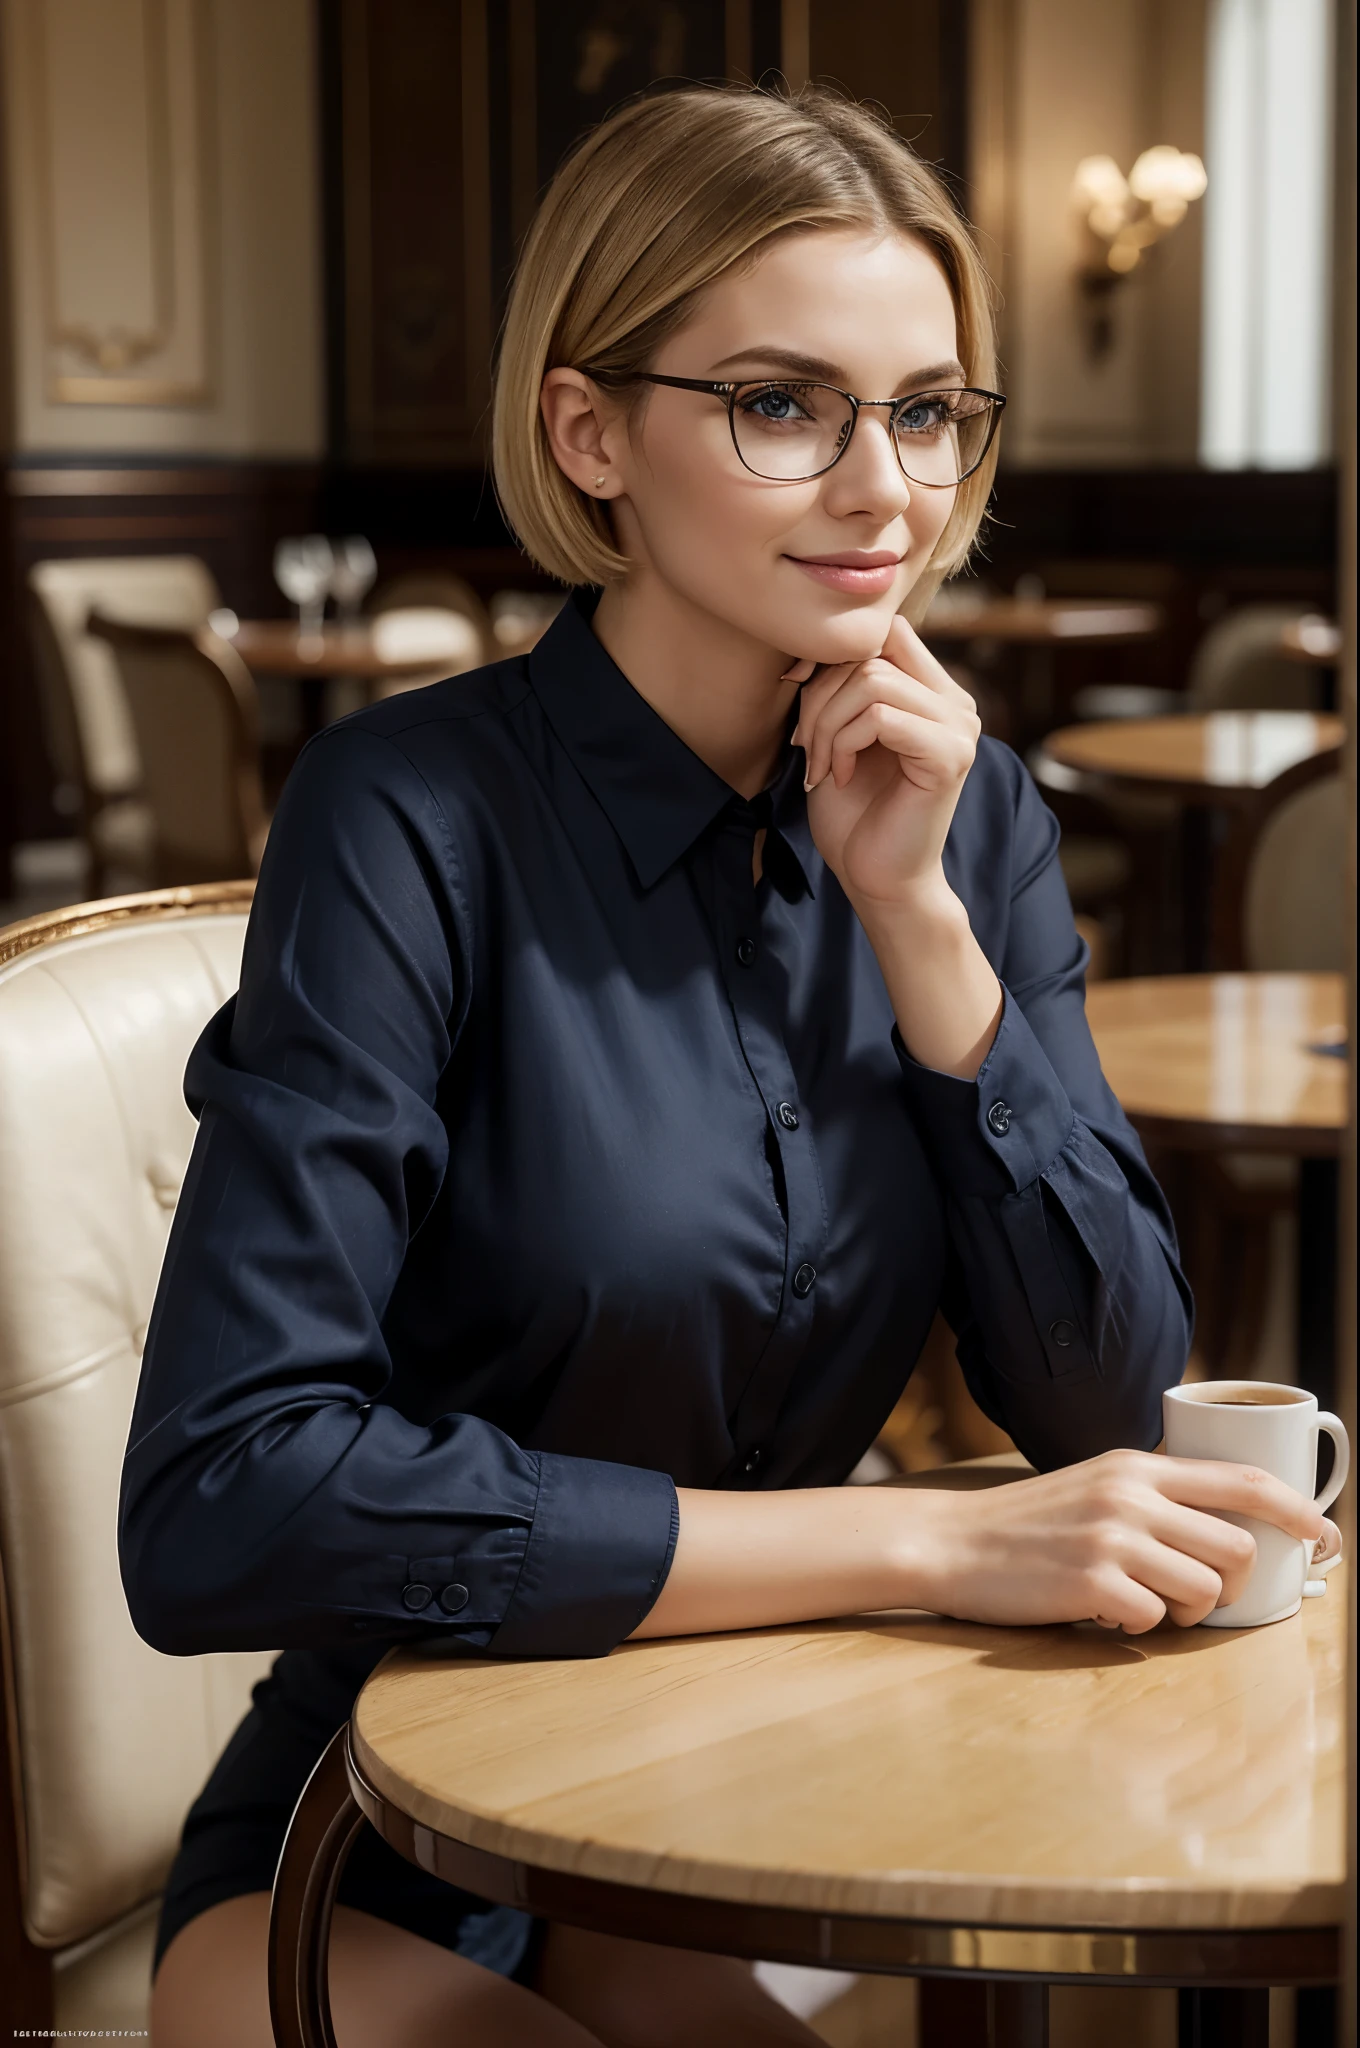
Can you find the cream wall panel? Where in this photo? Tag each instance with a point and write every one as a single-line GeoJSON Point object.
{"type": "Point", "coordinates": [1057, 80]}
{"type": "Point", "coordinates": [165, 226]}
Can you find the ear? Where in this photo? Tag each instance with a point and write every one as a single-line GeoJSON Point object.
{"type": "Point", "coordinates": [577, 421]}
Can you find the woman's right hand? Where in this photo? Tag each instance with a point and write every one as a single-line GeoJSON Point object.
{"type": "Point", "coordinates": [1121, 1539]}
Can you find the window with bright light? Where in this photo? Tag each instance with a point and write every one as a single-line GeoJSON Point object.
{"type": "Point", "coordinates": [1264, 397]}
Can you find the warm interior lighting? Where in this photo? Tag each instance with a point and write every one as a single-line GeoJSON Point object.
{"type": "Point", "coordinates": [1124, 216]}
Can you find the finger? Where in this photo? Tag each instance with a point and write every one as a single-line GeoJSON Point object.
{"type": "Point", "coordinates": [1240, 1490]}
{"type": "Point", "coordinates": [1188, 1588]}
{"type": "Point", "coordinates": [800, 672]}
{"type": "Point", "coordinates": [933, 756]}
{"type": "Point", "coordinates": [1226, 1549]}
{"type": "Point", "coordinates": [1328, 1543]}
{"type": "Point", "coordinates": [878, 682]}
{"type": "Point", "coordinates": [815, 695]}
{"type": "Point", "coordinates": [1117, 1601]}
{"type": "Point", "coordinates": [905, 647]}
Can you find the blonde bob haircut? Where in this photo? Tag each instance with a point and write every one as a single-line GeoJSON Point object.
{"type": "Point", "coordinates": [649, 209]}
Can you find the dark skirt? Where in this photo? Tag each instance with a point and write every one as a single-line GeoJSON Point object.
{"type": "Point", "coordinates": [235, 1829]}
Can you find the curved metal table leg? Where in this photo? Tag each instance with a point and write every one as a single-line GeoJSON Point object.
{"type": "Point", "coordinates": [320, 1835]}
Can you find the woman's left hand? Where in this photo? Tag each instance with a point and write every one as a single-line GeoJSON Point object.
{"type": "Point", "coordinates": [889, 743]}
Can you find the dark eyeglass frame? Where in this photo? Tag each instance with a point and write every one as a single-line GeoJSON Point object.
{"type": "Point", "coordinates": [729, 391]}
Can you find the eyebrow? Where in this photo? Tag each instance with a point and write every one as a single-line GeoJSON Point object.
{"type": "Point", "coordinates": [792, 363]}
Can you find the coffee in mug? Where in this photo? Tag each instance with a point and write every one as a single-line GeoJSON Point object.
{"type": "Point", "coordinates": [1254, 1422]}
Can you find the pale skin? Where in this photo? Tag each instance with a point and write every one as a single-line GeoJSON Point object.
{"type": "Point", "coordinates": [723, 615]}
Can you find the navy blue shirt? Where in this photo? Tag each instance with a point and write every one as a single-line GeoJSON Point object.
{"type": "Point", "coordinates": [546, 1161]}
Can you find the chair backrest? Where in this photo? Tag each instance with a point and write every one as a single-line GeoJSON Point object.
{"type": "Point", "coordinates": [1294, 909]}
{"type": "Point", "coordinates": [435, 590]}
{"type": "Point", "coordinates": [195, 715]}
{"type": "Point", "coordinates": [108, 1742]}
{"type": "Point", "coordinates": [1239, 665]}
{"type": "Point", "coordinates": [89, 727]}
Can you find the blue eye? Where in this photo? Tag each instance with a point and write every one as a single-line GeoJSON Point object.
{"type": "Point", "coordinates": [778, 404]}
{"type": "Point", "coordinates": [926, 416]}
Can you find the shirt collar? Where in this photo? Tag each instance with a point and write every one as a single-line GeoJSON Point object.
{"type": "Point", "coordinates": [657, 794]}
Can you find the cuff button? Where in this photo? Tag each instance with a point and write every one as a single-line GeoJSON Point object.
{"type": "Point", "coordinates": [415, 1596]}
{"type": "Point", "coordinates": [1063, 1333]}
{"type": "Point", "coordinates": [999, 1118]}
{"type": "Point", "coordinates": [454, 1599]}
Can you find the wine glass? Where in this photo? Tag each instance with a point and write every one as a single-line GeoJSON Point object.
{"type": "Point", "coordinates": [303, 566]}
{"type": "Point", "coordinates": [352, 576]}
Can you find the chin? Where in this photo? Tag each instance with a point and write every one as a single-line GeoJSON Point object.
{"type": "Point", "coordinates": [849, 635]}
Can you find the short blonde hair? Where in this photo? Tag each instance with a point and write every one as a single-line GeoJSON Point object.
{"type": "Point", "coordinates": [652, 207]}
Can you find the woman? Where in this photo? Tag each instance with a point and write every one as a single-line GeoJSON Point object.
{"type": "Point", "coordinates": [635, 1046]}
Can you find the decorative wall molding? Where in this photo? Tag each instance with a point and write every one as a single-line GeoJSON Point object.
{"type": "Point", "coordinates": [123, 176]}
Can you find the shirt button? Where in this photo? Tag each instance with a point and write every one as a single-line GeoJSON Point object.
{"type": "Point", "coordinates": [999, 1118]}
{"type": "Point", "coordinates": [755, 1458]}
{"type": "Point", "coordinates": [453, 1599]}
{"type": "Point", "coordinates": [1062, 1332]}
{"type": "Point", "coordinates": [415, 1596]}
{"type": "Point", "coordinates": [788, 1116]}
{"type": "Point", "coordinates": [804, 1280]}
{"type": "Point", "coordinates": [746, 952]}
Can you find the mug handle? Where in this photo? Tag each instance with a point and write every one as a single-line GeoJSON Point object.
{"type": "Point", "coordinates": [1336, 1430]}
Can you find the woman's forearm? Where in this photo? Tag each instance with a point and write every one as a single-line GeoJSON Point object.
{"type": "Point", "coordinates": [944, 993]}
{"type": "Point", "coordinates": [750, 1560]}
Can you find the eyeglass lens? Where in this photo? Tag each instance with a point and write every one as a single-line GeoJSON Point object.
{"type": "Point", "coordinates": [790, 432]}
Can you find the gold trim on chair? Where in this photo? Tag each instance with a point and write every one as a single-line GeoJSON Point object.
{"type": "Point", "coordinates": [80, 920]}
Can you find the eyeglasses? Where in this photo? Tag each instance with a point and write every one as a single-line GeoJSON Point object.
{"type": "Point", "coordinates": [789, 432]}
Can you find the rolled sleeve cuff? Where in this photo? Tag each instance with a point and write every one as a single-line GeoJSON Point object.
{"type": "Point", "coordinates": [1004, 1130]}
{"type": "Point", "coordinates": [598, 1554]}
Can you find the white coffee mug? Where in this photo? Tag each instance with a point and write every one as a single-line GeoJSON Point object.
{"type": "Point", "coordinates": [1255, 1422]}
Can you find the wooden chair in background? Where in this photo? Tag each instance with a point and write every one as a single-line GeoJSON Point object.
{"type": "Point", "coordinates": [194, 713]}
{"type": "Point", "coordinates": [90, 732]}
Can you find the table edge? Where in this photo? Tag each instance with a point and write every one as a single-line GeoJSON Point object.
{"type": "Point", "coordinates": [1271, 1954]}
{"type": "Point", "coordinates": [1124, 1906]}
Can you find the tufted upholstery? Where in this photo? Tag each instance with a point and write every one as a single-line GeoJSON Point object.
{"type": "Point", "coordinates": [98, 1009]}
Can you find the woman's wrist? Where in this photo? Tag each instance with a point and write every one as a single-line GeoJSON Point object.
{"type": "Point", "coordinates": [944, 992]}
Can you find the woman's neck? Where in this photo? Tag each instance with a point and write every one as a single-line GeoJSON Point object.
{"type": "Point", "coordinates": [720, 690]}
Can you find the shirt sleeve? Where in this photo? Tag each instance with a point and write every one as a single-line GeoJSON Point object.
{"type": "Point", "coordinates": [274, 1495]}
{"type": "Point", "coordinates": [1064, 1286]}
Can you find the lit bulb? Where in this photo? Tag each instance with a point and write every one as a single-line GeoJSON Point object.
{"type": "Point", "coordinates": [1099, 182]}
{"type": "Point", "coordinates": [1165, 173]}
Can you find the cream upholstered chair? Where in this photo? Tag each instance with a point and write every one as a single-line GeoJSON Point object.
{"type": "Point", "coordinates": [1294, 912]}
{"type": "Point", "coordinates": [89, 728]}
{"type": "Point", "coordinates": [195, 716]}
{"type": "Point", "coordinates": [103, 1742]}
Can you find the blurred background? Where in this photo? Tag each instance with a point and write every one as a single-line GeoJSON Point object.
{"type": "Point", "coordinates": [255, 258]}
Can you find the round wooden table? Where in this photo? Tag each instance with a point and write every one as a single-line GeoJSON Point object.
{"type": "Point", "coordinates": [279, 647]}
{"type": "Point", "coordinates": [1214, 758]}
{"type": "Point", "coordinates": [894, 1793]}
{"type": "Point", "coordinates": [1243, 763]}
{"type": "Point", "coordinates": [1227, 1061]}
{"type": "Point", "coordinates": [1041, 621]}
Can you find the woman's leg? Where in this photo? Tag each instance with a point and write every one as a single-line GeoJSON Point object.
{"type": "Point", "coordinates": [389, 1989]}
{"type": "Point", "coordinates": [635, 1994]}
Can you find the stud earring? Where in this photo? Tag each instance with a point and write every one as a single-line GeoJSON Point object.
{"type": "Point", "coordinates": [599, 483]}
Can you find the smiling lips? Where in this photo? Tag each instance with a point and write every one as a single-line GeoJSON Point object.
{"type": "Point", "coordinates": [861, 575]}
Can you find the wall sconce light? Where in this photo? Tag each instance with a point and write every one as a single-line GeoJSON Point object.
{"type": "Point", "coordinates": [1124, 217]}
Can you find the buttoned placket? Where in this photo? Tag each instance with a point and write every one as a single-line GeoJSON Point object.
{"type": "Point", "coordinates": [739, 910]}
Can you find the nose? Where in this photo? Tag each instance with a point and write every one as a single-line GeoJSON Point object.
{"type": "Point", "coordinates": [868, 478]}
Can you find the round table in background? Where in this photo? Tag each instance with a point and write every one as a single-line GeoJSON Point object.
{"type": "Point", "coordinates": [1244, 1063]}
{"type": "Point", "coordinates": [1240, 763]}
{"type": "Point", "coordinates": [1041, 621]}
{"type": "Point", "coordinates": [989, 1809]}
{"type": "Point", "coordinates": [1227, 1061]}
{"type": "Point", "coordinates": [1216, 757]}
{"type": "Point", "coordinates": [278, 647]}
